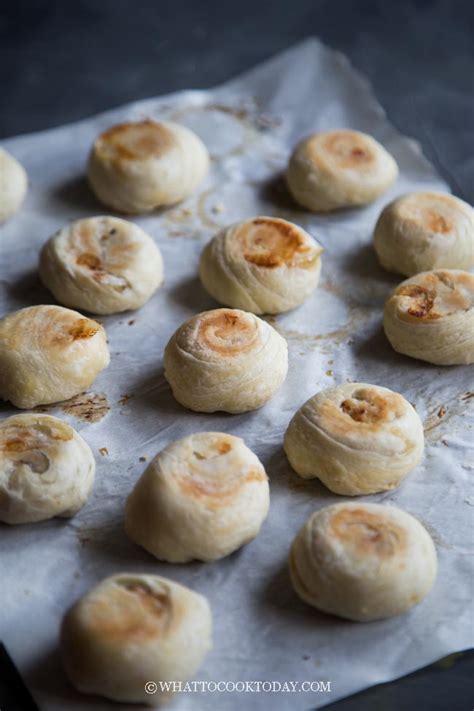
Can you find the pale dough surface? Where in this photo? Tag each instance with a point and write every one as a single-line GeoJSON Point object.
{"type": "Point", "coordinates": [356, 438]}
{"type": "Point", "coordinates": [263, 265]}
{"type": "Point", "coordinates": [139, 166]}
{"type": "Point", "coordinates": [225, 359]}
{"type": "Point", "coordinates": [103, 265]}
{"type": "Point", "coordinates": [131, 629]}
{"type": "Point", "coordinates": [362, 561]}
{"type": "Point", "coordinates": [423, 231]}
{"type": "Point", "coordinates": [431, 317]}
{"type": "Point", "coordinates": [49, 354]}
{"type": "Point", "coordinates": [336, 169]}
{"type": "Point", "coordinates": [46, 469]}
{"type": "Point", "coordinates": [201, 497]}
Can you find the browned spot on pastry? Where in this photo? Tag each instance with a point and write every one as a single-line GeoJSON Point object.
{"type": "Point", "coordinates": [89, 260]}
{"type": "Point", "coordinates": [366, 407]}
{"type": "Point", "coordinates": [256, 474]}
{"type": "Point", "coordinates": [430, 210]}
{"type": "Point", "coordinates": [14, 445]}
{"type": "Point", "coordinates": [214, 449]}
{"type": "Point", "coordinates": [368, 533]}
{"type": "Point", "coordinates": [135, 140]}
{"type": "Point", "coordinates": [223, 447]}
{"type": "Point", "coordinates": [264, 260]}
{"type": "Point", "coordinates": [219, 448]}
{"type": "Point", "coordinates": [273, 243]}
{"type": "Point", "coordinates": [104, 251]}
{"type": "Point", "coordinates": [436, 222]}
{"type": "Point", "coordinates": [84, 328]}
{"type": "Point", "coordinates": [439, 293]}
{"type": "Point", "coordinates": [217, 489]}
{"type": "Point", "coordinates": [17, 437]}
{"type": "Point", "coordinates": [90, 407]}
{"type": "Point", "coordinates": [227, 332]}
{"type": "Point", "coordinates": [423, 301]}
{"type": "Point", "coordinates": [359, 154]}
{"type": "Point", "coordinates": [348, 149]}
{"type": "Point", "coordinates": [362, 411]}
{"type": "Point", "coordinates": [22, 444]}
{"type": "Point", "coordinates": [154, 601]}
{"type": "Point", "coordinates": [129, 610]}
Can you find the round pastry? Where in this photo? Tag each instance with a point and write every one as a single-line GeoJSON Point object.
{"type": "Point", "coordinates": [423, 231]}
{"type": "Point", "coordinates": [132, 632]}
{"type": "Point", "coordinates": [101, 264]}
{"type": "Point", "coordinates": [337, 169]}
{"type": "Point", "coordinates": [202, 497]}
{"type": "Point", "coordinates": [139, 166]}
{"type": "Point", "coordinates": [227, 360]}
{"type": "Point", "coordinates": [48, 354]}
{"type": "Point", "coordinates": [356, 438]}
{"type": "Point", "coordinates": [431, 317]}
{"type": "Point", "coordinates": [362, 561]}
{"type": "Point", "coordinates": [264, 265]}
{"type": "Point", "coordinates": [46, 469]}
{"type": "Point", "coordinates": [13, 185]}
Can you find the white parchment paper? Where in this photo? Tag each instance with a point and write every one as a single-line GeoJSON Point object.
{"type": "Point", "coordinates": [262, 630]}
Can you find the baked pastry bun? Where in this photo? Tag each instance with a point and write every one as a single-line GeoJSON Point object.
{"type": "Point", "coordinates": [132, 629]}
{"type": "Point", "coordinates": [356, 438]}
{"type": "Point", "coordinates": [13, 185]}
{"type": "Point", "coordinates": [48, 354]}
{"type": "Point", "coordinates": [335, 169]}
{"type": "Point", "coordinates": [227, 360]}
{"type": "Point", "coordinates": [265, 265]}
{"type": "Point", "coordinates": [362, 561]}
{"type": "Point", "coordinates": [423, 231]}
{"type": "Point", "coordinates": [202, 497]}
{"type": "Point", "coordinates": [46, 469]}
{"type": "Point", "coordinates": [101, 264]}
{"type": "Point", "coordinates": [138, 166]}
{"type": "Point", "coordinates": [431, 317]}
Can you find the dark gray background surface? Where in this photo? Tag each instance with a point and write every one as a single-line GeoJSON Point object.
{"type": "Point", "coordinates": [62, 61]}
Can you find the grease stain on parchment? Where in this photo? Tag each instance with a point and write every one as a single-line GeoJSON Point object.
{"type": "Point", "coordinates": [89, 407]}
{"type": "Point", "coordinates": [227, 130]}
{"type": "Point", "coordinates": [442, 413]}
{"type": "Point", "coordinates": [358, 316]}
{"type": "Point", "coordinates": [99, 535]}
